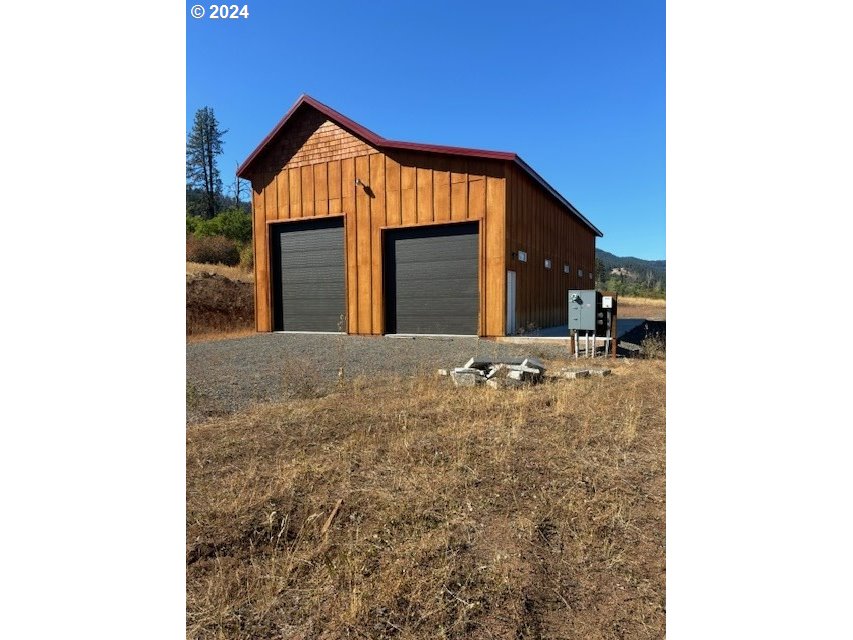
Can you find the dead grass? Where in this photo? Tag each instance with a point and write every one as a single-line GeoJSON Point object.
{"type": "Point", "coordinates": [466, 513]}
{"type": "Point", "coordinates": [232, 273]}
{"type": "Point", "coordinates": [648, 308]}
{"type": "Point", "coordinates": [651, 302]}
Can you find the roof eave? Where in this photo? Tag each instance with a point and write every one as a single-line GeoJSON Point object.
{"type": "Point", "coordinates": [453, 151]}
{"type": "Point", "coordinates": [381, 143]}
{"type": "Point", "coordinates": [532, 173]}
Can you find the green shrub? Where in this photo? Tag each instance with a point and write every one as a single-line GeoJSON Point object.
{"type": "Point", "coordinates": [233, 224]}
{"type": "Point", "coordinates": [192, 223]}
{"type": "Point", "coordinates": [212, 250]}
{"type": "Point", "coordinates": [247, 257]}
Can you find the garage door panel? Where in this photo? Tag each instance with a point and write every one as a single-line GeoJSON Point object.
{"type": "Point", "coordinates": [321, 276]}
{"type": "Point", "coordinates": [308, 293]}
{"type": "Point", "coordinates": [412, 251]}
{"type": "Point", "coordinates": [457, 273]}
{"type": "Point", "coordinates": [427, 267]}
{"type": "Point", "coordinates": [310, 284]}
{"type": "Point", "coordinates": [431, 280]}
{"type": "Point", "coordinates": [316, 258]}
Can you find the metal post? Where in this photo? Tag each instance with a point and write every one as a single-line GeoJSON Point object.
{"type": "Point", "coordinates": [615, 336]}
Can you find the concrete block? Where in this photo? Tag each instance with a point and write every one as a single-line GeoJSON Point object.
{"type": "Point", "coordinates": [536, 363]}
{"type": "Point", "coordinates": [504, 383]}
{"type": "Point", "coordinates": [572, 374]}
{"type": "Point", "coordinates": [495, 370]}
{"type": "Point", "coordinates": [530, 370]}
{"type": "Point", "coordinates": [484, 362]}
{"type": "Point", "coordinates": [600, 372]}
{"type": "Point", "coordinates": [467, 377]}
{"type": "Point", "coordinates": [442, 372]}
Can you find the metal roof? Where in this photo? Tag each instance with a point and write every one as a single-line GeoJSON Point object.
{"type": "Point", "coordinates": [383, 143]}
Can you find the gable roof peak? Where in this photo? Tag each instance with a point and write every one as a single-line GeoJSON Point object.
{"type": "Point", "coordinates": [379, 142]}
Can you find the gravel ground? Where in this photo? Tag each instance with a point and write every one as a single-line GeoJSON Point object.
{"type": "Point", "coordinates": [227, 375]}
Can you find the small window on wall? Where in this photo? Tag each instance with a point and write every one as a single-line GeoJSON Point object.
{"type": "Point", "coordinates": [580, 273]}
{"type": "Point", "coordinates": [567, 269]}
{"type": "Point", "coordinates": [590, 275]}
{"type": "Point", "coordinates": [522, 256]}
{"type": "Point", "coordinates": [547, 263]}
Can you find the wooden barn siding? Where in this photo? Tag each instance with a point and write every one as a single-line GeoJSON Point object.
{"type": "Point", "coordinates": [409, 188]}
{"type": "Point", "coordinates": [539, 225]}
{"type": "Point", "coordinates": [311, 139]}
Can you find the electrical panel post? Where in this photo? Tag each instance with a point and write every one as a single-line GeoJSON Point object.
{"type": "Point", "coordinates": [592, 315]}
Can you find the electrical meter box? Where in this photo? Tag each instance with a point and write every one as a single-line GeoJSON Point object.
{"type": "Point", "coordinates": [583, 307]}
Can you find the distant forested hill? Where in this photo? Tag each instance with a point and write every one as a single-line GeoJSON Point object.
{"type": "Point", "coordinates": [630, 276]}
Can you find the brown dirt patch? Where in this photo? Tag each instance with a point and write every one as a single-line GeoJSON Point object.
{"type": "Point", "coordinates": [218, 305]}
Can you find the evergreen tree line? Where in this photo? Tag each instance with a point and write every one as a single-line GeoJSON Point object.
{"type": "Point", "coordinates": [643, 285]}
{"type": "Point", "coordinates": [219, 223]}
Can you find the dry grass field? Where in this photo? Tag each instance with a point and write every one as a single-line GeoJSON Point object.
{"type": "Point", "coordinates": [236, 274]}
{"type": "Point", "coordinates": [648, 308]}
{"type": "Point", "coordinates": [405, 508]}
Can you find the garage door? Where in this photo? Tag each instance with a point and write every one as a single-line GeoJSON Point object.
{"type": "Point", "coordinates": [308, 275]}
{"type": "Point", "coordinates": [431, 280]}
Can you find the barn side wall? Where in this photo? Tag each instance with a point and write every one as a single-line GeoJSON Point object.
{"type": "Point", "coordinates": [540, 226]}
{"type": "Point", "coordinates": [312, 172]}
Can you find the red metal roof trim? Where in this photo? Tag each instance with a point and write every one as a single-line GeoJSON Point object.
{"type": "Point", "coordinates": [521, 163]}
{"type": "Point", "coordinates": [380, 142]}
{"type": "Point", "coordinates": [453, 151]}
{"type": "Point", "coordinates": [341, 119]}
{"type": "Point", "coordinates": [373, 138]}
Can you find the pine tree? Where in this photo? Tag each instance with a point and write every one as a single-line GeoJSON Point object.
{"type": "Point", "coordinates": [204, 143]}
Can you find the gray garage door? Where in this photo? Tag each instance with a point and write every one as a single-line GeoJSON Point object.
{"type": "Point", "coordinates": [431, 283]}
{"type": "Point", "coordinates": [308, 275]}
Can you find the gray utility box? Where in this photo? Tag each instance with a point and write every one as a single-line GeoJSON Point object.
{"type": "Point", "coordinates": [583, 305]}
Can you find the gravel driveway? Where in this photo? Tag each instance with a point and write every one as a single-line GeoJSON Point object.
{"type": "Point", "coordinates": [226, 375]}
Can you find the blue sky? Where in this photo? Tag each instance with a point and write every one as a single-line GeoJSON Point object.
{"type": "Point", "coordinates": [576, 88]}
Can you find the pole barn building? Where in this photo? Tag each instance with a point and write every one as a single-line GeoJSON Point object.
{"type": "Point", "coordinates": [356, 233]}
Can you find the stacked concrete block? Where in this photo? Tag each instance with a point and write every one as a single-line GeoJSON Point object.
{"type": "Point", "coordinates": [506, 372]}
{"type": "Point", "coordinates": [498, 372]}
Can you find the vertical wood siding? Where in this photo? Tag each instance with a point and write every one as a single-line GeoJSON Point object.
{"type": "Point", "coordinates": [540, 226]}
{"type": "Point", "coordinates": [317, 178]}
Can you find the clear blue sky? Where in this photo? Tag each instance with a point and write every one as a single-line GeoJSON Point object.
{"type": "Point", "coordinates": [576, 88]}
